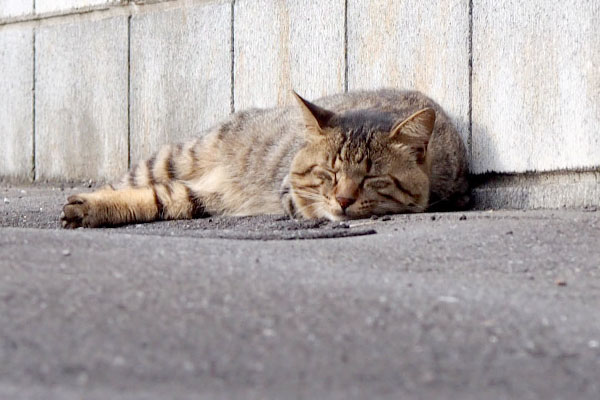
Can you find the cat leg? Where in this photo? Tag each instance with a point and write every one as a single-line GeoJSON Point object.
{"type": "Point", "coordinates": [109, 207]}
{"type": "Point", "coordinates": [285, 196]}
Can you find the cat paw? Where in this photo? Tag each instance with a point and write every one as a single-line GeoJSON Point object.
{"type": "Point", "coordinates": [79, 212]}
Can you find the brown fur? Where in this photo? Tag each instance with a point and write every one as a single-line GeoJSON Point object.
{"type": "Point", "coordinates": [346, 156]}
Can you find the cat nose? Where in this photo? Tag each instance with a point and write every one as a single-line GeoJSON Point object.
{"type": "Point", "coordinates": [345, 202]}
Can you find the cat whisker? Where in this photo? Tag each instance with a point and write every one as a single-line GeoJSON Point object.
{"type": "Point", "coordinates": [319, 208]}
{"type": "Point", "coordinates": [311, 196]}
{"type": "Point", "coordinates": [393, 208]}
{"type": "Point", "coordinates": [441, 200]}
{"type": "Point", "coordinates": [322, 212]}
{"type": "Point", "coordinates": [300, 211]}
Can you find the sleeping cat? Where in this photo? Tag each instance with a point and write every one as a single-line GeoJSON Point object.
{"type": "Point", "coordinates": [346, 156]}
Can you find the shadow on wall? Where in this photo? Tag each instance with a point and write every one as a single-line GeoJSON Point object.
{"type": "Point", "coordinates": [484, 186]}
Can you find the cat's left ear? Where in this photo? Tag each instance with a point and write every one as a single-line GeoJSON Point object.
{"type": "Point", "coordinates": [415, 132]}
{"type": "Point", "coordinates": [315, 117]}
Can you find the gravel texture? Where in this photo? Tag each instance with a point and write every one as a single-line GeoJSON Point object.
{"type": "Point", "coordinates": [476, 305]}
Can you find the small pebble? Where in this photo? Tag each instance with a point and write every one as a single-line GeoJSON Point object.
{"type": "Point", "coordinates": [6, 200]}
{"type": "Point", "coordinates": [386, 218]}
{"type": "Point", "coordinates": [118, 361]}
{"type": "Point", "coordinates": [374, 216]}
{"type": "Point", "coordinates": [463, 217]}
{"type": "Point", "coordinates": [448, 299]}
{"type": "Point", "coordinates": [509, 232]}
{"type": "Point", "coordinates": [561, 282]}
{"type": "Point", "coordinates": [189, 366]}
{"type": "Point", "coordinates": [82, 379]}
{"type": "Point", "coordinates": [433, 217]}
{"type": "Point", "coordinates": [66, 252]}
{"type": "Point", "coordinates": [268, 332]}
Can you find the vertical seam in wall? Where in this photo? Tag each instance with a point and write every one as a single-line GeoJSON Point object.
{"type": "Point", "coordinates": [33, 150]}
{"type": "Point", "coordinates": [129, 92]}
{"type": "Point", "coordinates": [470, 139]}
{"type": "Point", "coordinates": [33, 176]}
{"type": "Point", "coordinates": [346, 46]}
{"type": "Point", "coordinates": [232, 52]}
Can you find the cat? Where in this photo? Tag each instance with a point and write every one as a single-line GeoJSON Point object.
{"type": "Point", "coordinates": [346, 156]}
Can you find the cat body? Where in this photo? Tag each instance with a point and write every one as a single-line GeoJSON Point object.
{"type": "Point", "coordinates": [350, 155]}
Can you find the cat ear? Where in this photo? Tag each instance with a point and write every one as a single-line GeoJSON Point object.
{"type": "Point", "coordinates": [415, 131]}
{"type": "Point", "coordinates": [315, 117]}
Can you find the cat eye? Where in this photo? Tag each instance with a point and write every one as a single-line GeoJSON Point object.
{"type": "Point", "coordinates": [323, 175]}
{"type": "Point", "coordinates": [377, 183]}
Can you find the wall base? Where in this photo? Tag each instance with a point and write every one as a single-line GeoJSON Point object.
{"type": "Point", "coordinates": [539, 190]}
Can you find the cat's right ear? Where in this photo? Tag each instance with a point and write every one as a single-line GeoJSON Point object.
{"type": "Point", "coordinates": [315, 117]}
{"type": "Point", "coordinates": [415, 132]}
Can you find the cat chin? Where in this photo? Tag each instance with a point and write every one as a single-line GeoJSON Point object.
{"type": "Point", "coordinates": [336, 217]}
{"type": "Point", "coordinates": [344, 216]}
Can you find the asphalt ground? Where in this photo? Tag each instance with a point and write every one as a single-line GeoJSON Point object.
{"type": "Point", "coordinates": [475, 305]}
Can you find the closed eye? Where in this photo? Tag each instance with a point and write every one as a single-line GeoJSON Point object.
{"type": "Point", "coordinates": [377, 183]}
{"type": "Point", "coordinates": [401, 187]}
{"type": "Point", "coordinates": [323, 174]}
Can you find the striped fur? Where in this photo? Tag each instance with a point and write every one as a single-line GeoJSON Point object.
{"type": "Point", "coordinates": [371, 152]}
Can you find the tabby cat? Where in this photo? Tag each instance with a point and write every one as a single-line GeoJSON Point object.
{"type": "Point", "coordinates": [346, 156]}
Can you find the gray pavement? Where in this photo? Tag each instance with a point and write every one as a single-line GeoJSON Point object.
{"type": "Point", "coordinates": [477, 305]}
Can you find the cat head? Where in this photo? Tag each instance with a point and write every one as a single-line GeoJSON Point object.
{"type": "Point", "coordinates": [361, 163]}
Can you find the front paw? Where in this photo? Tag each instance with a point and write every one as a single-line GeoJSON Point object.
{"type": "Point", "coordinates": [79, 212]}
{"type": "Point", "coordinates": [285, 196]}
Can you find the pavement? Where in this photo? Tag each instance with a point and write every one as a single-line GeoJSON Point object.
{"type": "Point", "coordinates": [474, 305]}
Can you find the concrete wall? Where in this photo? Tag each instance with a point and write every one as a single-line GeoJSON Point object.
{"type": "Point", "coordinates": [91, 85]}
